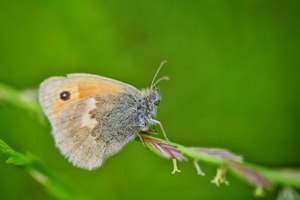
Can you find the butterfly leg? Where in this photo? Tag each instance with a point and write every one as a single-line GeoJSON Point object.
{"type": "Point", "coordinates": [175, 168]}
{"type": "Point", "coordinates": [162, 129]}
{"type": "Point", "coordinates": [141, 138]}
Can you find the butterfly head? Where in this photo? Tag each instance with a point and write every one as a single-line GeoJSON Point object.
{"type": "Point", "coordinates": [147, 107]}
{"type": "Point", "coordinates": [154, 97]}
{"type": "Point", "coordinates": [151, 98]}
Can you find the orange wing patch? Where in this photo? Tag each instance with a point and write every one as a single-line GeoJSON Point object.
{"type": "Point", "coordinates": [90, 87]}
{"type": "Point", "coordinates": [82, 88]}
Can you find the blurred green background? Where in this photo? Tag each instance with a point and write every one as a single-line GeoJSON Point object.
{"type": "Point", "coordinates": [234, 68]}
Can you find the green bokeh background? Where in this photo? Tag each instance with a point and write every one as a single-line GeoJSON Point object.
{"type": "Point", "coordinates": [234, 68]}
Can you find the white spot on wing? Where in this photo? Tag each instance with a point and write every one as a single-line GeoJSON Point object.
{"type": "Point", "coordinates": [86, 119]}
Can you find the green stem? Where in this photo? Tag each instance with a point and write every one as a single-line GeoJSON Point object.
{"type": "Point", "coordinates": [286, 177]}
{"type": "Point", "coordinates": [20, 99]}
{"type": "Point", "coordinates": [51, 182]}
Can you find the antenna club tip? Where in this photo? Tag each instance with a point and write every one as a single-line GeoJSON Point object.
{"type": "Point", "coordinates": [164, 61]}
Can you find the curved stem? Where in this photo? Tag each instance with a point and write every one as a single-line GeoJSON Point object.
{"type": "Point", "coordinates": [286, 177]}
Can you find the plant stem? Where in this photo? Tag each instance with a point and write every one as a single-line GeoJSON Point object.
{"type": "Point", "coordinates": [39, 171]}
{"type": "Point", "coordinates": [20, 99]}
{"type": "Point", "coordinates": [286, 177]}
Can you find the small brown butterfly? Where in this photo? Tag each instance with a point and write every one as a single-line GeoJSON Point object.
{"type": "Point", "coordinates": [93, 117]}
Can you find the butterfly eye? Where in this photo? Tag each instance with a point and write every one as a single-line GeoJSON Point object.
{"type": "Point", "coordinates": [157, 102]}
{"type": "Point", "coordinates": [65, 95]}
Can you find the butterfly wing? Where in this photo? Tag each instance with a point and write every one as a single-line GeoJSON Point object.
{"type": "Point", "coordinates": [85, 112]}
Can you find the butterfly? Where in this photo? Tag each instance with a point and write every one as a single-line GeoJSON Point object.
{"type": "Point", "coordinates": [93, 117]}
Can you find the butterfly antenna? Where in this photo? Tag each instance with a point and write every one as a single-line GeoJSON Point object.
{"type": "Point", "coordinates": [159, 68]}
{"type": "Point", "coordinates": [160, 79]}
